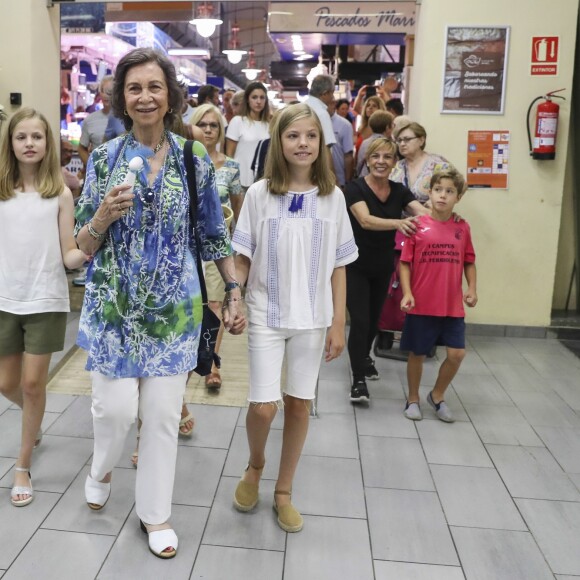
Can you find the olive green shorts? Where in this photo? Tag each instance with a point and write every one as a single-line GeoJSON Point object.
{"type": "Point", "coordinates": [40, 333]}
{"type": "Point", "coordinates": [214, 283]}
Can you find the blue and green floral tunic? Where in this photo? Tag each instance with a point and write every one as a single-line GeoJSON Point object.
{"type": "Point", "coordinates": [142, 309]}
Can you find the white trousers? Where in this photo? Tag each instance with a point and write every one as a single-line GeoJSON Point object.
{"type": "Point", "coordinates": [116, 405]}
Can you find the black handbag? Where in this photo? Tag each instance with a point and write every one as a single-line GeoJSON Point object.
{"type": "Point", "coordinates": [210, 323]}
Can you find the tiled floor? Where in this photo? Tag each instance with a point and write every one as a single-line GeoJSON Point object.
{"type": "Point", "coordinates": [494, 496]}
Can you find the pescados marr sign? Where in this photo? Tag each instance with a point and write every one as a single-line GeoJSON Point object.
{"type": "Point", "coordinates": [369, 17]}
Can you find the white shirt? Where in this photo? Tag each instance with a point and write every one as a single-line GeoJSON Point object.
{"type": "Point", "coordinates": [247, 134]}
{"type": "Point", "coordinates": [293, 255]}
{"type": "Point", "coordinates": [32, 276]}
{"type": "Point", "coordinates": [321, 111]}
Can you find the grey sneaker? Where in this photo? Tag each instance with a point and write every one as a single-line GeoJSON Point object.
{"type": "Point", "coordinates": [413, 411]}
{"type": "Point", "coordinates": [442, 411]}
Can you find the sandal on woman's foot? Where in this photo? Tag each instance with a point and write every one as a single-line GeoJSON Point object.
{"type": "Point", "coordinates": [184, 429]}
{"type": "Point", "coordinates": [162, 543]}
{"type": "Point", "coordinates": [289, 518]}
{"type": "Point", "coordinates": [22, 490]}
{"type": "Point", "coordinates": [213, 380]}
{"type": "Point", "coordinates": [246, 496]}
{"type": "Point", "coordinates": [96, 493]}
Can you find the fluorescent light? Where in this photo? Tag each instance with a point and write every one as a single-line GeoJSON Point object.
{"type": "Point", "coordinates": [203, 52]}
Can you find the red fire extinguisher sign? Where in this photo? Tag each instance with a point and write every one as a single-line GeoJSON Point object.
{"type": "Point", "coordinates": [545, 55]}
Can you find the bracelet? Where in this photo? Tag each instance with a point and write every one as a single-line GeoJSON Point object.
{"type": "Point", "coordinates": [232, 285]}
{"type": "Point", "coordinates": [224, 306]}
{"type": "Point", "coordinates": [93, 233]}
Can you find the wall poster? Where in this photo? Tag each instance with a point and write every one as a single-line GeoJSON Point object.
{"type": "Point", "coordinates": [488, 159]}
{"type": "Point", "coordinates": [475, 69]}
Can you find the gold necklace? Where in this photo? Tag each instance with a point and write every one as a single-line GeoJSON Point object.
{"type": "Point", "coordinates": [159, 145]}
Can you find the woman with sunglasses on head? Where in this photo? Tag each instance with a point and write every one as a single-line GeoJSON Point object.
{"type": "Point", "coordinates": [141, 316]}
{"type": "Point", "coordinates": [208, 119]}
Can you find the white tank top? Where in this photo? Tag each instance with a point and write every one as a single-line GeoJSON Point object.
{"type": "Point", "coordinates": [32, 275]}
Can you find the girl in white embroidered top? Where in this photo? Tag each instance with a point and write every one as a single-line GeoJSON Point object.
{"type": "Point", "coordinates": [294, 239]}
{"type": "Point", "coordinates": [36, 242]}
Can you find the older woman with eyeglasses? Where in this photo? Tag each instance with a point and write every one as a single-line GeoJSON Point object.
{"type": "Point", "coordinates": [375, 206]}
{"type": "Point", "coordinates": [209, 120]}
{"type": "Point", "coordinates": [417, 166]}
{"type": "Point", "coordinates": [141, 314]}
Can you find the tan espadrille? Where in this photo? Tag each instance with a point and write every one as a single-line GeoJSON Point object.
{"type": "Point", "coordinates": [289, 518]}
{"type": "Point", "coordinates": [246, 496]}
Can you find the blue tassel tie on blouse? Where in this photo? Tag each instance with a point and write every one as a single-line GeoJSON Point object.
{"type": "Point", "coordinates": [296, 204]}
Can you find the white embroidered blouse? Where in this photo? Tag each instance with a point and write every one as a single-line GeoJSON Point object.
{"type": "Point", "coordinates": [293, 255]}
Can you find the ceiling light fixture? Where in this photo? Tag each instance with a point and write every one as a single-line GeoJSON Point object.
{"type": "Point", "coordinates": [234, 53]}
{"type": "Point", "coordinates": [251, 71]}
{"type": "Point", "coordinates": [205, 23]}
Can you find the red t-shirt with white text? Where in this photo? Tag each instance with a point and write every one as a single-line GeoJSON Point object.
{"type": "Point", "coordinates": [438, 252]}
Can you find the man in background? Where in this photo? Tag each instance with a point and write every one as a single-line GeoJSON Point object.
{"type": "Point", "coordinates": [342, 150]}
{"type": "Point", "coordinates": [320, 95]}
{"type": "Point", "coordinates": [94, 126]}
{"type": "Point", "coordinates": [226, 102]}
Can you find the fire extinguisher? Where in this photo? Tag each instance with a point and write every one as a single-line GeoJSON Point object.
{"type": "Point", "coordinates": [545, 126]}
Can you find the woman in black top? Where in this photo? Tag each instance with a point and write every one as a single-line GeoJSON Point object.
{"type": "Point", "coordinates": [375, 205]}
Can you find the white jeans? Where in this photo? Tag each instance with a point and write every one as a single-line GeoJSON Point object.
{"type": "Point", "coordinates": [157, 401]}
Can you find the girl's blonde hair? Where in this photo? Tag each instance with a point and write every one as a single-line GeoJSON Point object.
{"type": "Point", "coordinates": [49, 180]}
{"type": "Point", "coordinates": [200, 112]}
{"type": "Point", "coordinates": [277, 172]}
{"type": "Point", "coordinates": [364, 118]}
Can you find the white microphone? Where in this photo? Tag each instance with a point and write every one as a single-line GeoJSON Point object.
{"type": "Point", "coordinates": [135, 166]}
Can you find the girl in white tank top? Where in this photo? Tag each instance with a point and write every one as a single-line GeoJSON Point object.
{"type": "Point", "coordinates": [36, 242]}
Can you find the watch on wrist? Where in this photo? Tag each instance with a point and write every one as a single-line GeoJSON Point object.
{"type": "Point", "coordinates": [232, 286]}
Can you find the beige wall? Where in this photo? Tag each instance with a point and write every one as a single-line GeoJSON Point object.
{"type": "Point", "coordinates": [30, 56]}
{"type": "Point", "coordinates": [516, 231]}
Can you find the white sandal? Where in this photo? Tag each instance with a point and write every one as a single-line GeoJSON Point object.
{"type": "Point", "coordinates": [162, 543]}
{"type": "Point", "coordinates": [96, 493]}
{"type": "Point", "coordinates": [22, 490]}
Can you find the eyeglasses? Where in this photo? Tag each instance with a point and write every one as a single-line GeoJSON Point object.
{"type": "Point", "coordinates": [404, 140]}
{"type": "Point", "coordinates": [212, 126]}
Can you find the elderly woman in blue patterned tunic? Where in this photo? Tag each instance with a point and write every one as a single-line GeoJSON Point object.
{"type": "Point", "coordinates": [141, 315]}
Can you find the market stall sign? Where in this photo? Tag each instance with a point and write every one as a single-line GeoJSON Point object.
{"type": "Point", "coordinates": [352, 17]}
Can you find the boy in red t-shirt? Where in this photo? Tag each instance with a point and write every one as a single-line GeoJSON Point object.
{"type": "Point", "coordinates": [432, 265]}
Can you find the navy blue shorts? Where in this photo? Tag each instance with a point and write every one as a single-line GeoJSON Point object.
{"type": "Point", "coordinates": [421, 333]}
